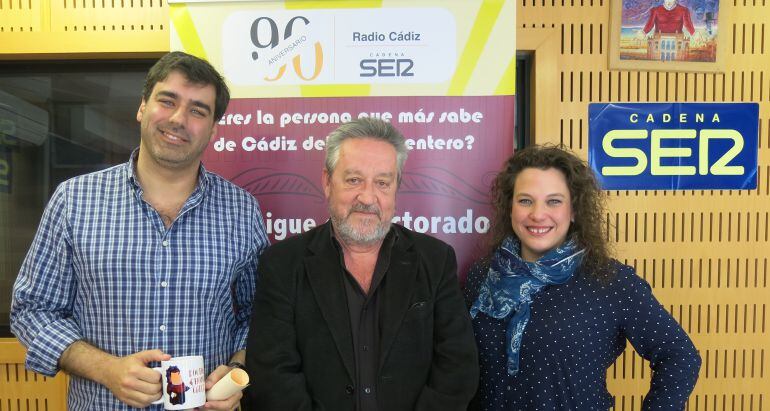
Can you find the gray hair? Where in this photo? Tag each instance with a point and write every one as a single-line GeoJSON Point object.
{"type": "Point", "coordinates": [365, 127]}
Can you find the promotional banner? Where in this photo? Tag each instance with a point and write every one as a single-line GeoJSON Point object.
{"type": "Point", "coordinates": [442, 72]}
{"type": "Point", "coordinates": [674, 146]}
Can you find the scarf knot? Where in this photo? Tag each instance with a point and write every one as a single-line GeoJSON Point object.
{"type": "Point", "coordinates": [512, 283]}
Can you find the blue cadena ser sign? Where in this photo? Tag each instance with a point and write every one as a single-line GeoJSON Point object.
{"type": "Point", "coordinates": [674, 146]}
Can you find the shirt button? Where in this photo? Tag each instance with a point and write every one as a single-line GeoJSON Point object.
{"type": "Point", "coordinates": [365, 348]}
{"type": "Point", "coordinates": [349, 389]}
{"type": "Point", "coordinates": [163, 284]}
{"type": "Point", "coordinates": [162, 327]}
{"type": "Point", "coordinates": [368, 390]}
{"type": "Point", "coordinates": [165, 243]}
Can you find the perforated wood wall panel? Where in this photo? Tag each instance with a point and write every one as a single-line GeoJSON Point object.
{"type": "Point", "coordinates": [705, 253]}
{"type": "Point", "coordinates": [108, 15]}
{"type": "Point", "coordinates": [22, 390]}
{"type": "Point", "coordinates": [82, 28]}
{"type": "Point", "coordinates": [19, 16]}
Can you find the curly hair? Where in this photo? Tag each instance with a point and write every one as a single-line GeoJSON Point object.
{"type": "Point", "coordinates": [588, 204]}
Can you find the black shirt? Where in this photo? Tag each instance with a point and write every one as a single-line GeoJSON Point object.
{"type": "Point", "coordinates": [365, 324]}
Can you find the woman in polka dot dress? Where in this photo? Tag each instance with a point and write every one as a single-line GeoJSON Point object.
{"type": "Point", "coordinates": [552, 310]}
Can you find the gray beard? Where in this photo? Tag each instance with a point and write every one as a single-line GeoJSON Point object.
{"type": "Point", "coordinates": [350, 235]}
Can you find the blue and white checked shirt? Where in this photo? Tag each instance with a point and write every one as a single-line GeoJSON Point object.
{"type": "Point", "coordinates": [103, 268]}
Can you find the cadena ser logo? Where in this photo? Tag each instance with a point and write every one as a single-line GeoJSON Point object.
{"type": "Point", "coordinates": [345, 46]}
{"type": "Point", "coordinates": [674, 146]}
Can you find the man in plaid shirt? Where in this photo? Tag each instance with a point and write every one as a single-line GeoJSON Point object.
{"type": "Point", "coordinates": [146, 260]}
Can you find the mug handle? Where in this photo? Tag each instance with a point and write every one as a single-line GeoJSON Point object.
{"type": "Point", "coordinates": [160, 371]}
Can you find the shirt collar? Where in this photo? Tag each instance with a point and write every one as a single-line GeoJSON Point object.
{"type": "Point", "coordinates": [203, 175]}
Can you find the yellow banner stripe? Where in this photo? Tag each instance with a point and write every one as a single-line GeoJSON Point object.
{"type": "Point", "coordinates": [336, 90]}
{"type": "Point", "coordinates": [507, 84]}
{"type": "Point", "coordinates": [333, 4]}
{"type": "Point", "coordinates": [185, 28]}
{"type": "Point", "coordinates": [482, 27]}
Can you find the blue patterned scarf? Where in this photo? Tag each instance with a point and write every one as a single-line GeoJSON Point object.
{"type": "Point", "coordinates": [511, 284]}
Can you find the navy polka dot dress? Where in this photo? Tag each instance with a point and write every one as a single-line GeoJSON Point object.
{"type": "Point", "coordinates": [575, 332]}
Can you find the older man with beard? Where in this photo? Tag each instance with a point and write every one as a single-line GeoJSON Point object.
{"type": "Point", "coordinates": [361, 314]}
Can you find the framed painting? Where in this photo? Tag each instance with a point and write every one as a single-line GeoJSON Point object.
{"type": "Point", "coordinates": [667, 35]}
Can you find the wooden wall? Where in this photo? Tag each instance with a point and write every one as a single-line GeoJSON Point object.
{"type": "Point", "coordinates": [22, 390]}
{"type": "Point", "coordinates": [705, 253]}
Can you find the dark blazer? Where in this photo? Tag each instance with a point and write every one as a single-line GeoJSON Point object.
{"type": "Point", "coordinates": [300, 348]}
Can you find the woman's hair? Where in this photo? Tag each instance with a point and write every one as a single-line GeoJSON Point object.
{"type": "Point", "coordinates": [587, 203]}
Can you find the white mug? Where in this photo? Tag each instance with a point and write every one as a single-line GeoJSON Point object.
{"type": "Point", "coordinates": [183, 383]}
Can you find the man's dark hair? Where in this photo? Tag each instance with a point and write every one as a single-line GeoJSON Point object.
{"type": "Point", "coordinates": [196, 71]}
